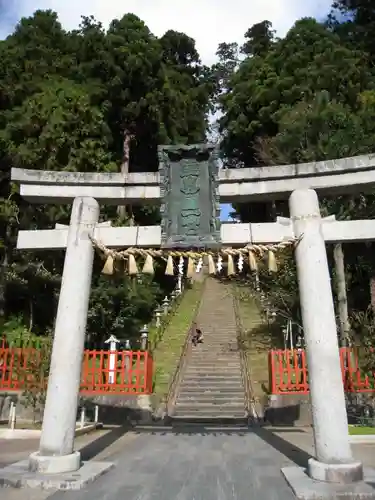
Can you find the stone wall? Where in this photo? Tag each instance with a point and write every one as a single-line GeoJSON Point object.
{"type": "Point", "coordinates": [295, 409]}
{"type": "Point", "coordinates": [288, 410]}
{"type": "Point", "coordinates": [119, 410]}
{"type": "Point", "coordinates": [113, 409]}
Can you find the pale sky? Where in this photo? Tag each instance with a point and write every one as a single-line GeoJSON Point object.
{"type": "Point", "coordinates": [209, 22]}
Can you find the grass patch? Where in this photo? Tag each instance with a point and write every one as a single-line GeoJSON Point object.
{"type": "Point", "coordinates": [256, 340]}
{"type": "Point", "coordinates": [361, 431]}
{"type": "Point", "coordinates": [167, 353]}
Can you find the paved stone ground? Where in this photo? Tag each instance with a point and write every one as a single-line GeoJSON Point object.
{"type": "Point", "coordinates": [190, 463]}
{"type": "Point", "coordinates": [13, 450]}
{"type": "Point", "coordinates": [183, 464]}
{"type": "Point", "coordinates": [302, 440]}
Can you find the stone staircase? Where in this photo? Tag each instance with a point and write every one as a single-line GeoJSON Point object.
{"type": "Point", "coordinates": [211, 388]}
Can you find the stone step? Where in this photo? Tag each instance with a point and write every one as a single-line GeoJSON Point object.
{"type": "Point", "coordinates": [214, 334]}
{"type": "Point", "coordinates": [222, 327]}
{"type": "Point", "coordinates": [212, 328]}
{"type": "Point", "coordinates": [212, 337]}
{"type": "Point", "coordinates": [204, 385]}
{"type": "Point", "coordinates": [219, 326]}
{"type": "Point", "coordinates": [202, 367]}
{"type": "Point", "coordinates": [204, 405]}
{"type": "Point", "coordinates": [218, 355]}
{"type": "Point", "coordinates": [217, 367]}
{"type": "Point", "coordinates": [230, 361]}
{"type": "Point", "coordinates": [224, 333]}
{"type": "Point", "coordinates": [218, 341]}
{"type": "Point", "coordinates": [209, 413]}
{"type": "Point", "coordinates": [229, 389]}
{"type": "Point", "coordinates": [207, 344]}
{"type": "Point", "coordinates": [214, 404]}
{"type": "Point", "coordinates": [215, 357]}
{"type": "Point", "coordinates": [218, 323]}
{"type": "Point", "coordinates": [236, 423]}
{"type": "Point", "coordinates": [226, 387]}
{"type": "Point", "coordinates": [214, 377]}
{"type": "Point", "coordinates": [198, 371]}
{"type": "Point", "coordinates": [224, 390]}
{"type": "Point", "coordinates": [209, 397]}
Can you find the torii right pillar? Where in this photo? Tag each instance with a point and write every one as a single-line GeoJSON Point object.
{"type": "Point", "coordinates": [334, 462]}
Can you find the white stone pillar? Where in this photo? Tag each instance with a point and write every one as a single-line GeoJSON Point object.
{"type": "Point", "coordinates": [56, 454]}
{"type": "Point", "coordinates": [334, 460]}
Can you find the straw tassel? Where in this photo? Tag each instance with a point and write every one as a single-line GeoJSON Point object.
{"type": "Point", "coordinates": [190, 268]}
{"type": "Point", "coordinates": [272, 264]}
{"type": "Point", "coordinates": [108, 266]}
{"type": "Point", "coordinates": [253, 261]}
{"type": "Point", "coordinates": [132, 265]}
{"type": "Point", "coordinates": [148, 267]}
{"type": "Point", "coordinates": [230, 269]}
{"type": "Point", "coordinates": [169, 269]}
{"type": "Point", "coordinates": [211, 265]}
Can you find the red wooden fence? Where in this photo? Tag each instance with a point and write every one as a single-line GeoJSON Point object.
{"type": "Point", "coordinates": [289, 372]}
{"type": "Point", "coordinates": [129, 372]}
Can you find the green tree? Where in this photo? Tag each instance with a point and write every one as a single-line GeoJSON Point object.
{"type": "Point", "coordinates": [308, 60]}
{"type": "Point", "coordinates": [259, 39]}
{"type": "Point", "coordinates": [57, 128]}
{"type": "Point", "coordinates": [354, 22]}
{"type": "Point", "coordinates": [319, 129]}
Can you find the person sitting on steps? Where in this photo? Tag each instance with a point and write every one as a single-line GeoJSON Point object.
{"type": "Point", "coordinates": [197, 337]}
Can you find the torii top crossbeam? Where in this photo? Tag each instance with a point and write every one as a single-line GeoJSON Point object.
{"type": "Point", "coordinates": [347, 175]}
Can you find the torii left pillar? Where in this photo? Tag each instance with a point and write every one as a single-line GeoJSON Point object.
{"type": "Point", "coordinates": [56, 450]}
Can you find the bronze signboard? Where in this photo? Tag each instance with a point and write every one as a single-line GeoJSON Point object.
{"type": "Point", "coordinates": [190, 202]}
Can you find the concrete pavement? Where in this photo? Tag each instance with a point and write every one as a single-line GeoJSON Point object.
{"type": "Point", "coordinates": [190, 463]}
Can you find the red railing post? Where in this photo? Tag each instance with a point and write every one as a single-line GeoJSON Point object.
{"type": "Point", "coordinates": [272, 373]}
{"type": "Point", "coordinates": [132, 372]}
{"type": "Point", "coordinates": [149, 372]}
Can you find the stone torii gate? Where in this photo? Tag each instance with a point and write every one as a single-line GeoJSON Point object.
{"type": "Point", "coordinates": [334, 461]}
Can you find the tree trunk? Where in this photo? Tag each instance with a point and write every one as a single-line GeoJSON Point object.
{"type": "Point", "coordinates": [124, 169]}
{"type": "Point", "coordinates": [372, 293]}
{"type": "Point", "coordinates": [338, 256]}
{"type": "Point", "coordinates": [31, 314]}
{"type": "Point", "coordinates": [3, 272]}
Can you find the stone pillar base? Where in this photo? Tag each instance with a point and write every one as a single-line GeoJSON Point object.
{"type": "Point", "coordinates": [54, 464]}
{"type": "Point", "coordinates": [335, 473]}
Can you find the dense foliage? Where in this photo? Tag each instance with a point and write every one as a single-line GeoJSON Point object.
{"type": "Point", "coordinates": [88, 100]}
{"type": "Point", "coordinates": [306, 97]}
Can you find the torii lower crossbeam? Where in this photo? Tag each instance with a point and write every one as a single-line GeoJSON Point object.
{"type": "Point", "coordinates": [232, 235]}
